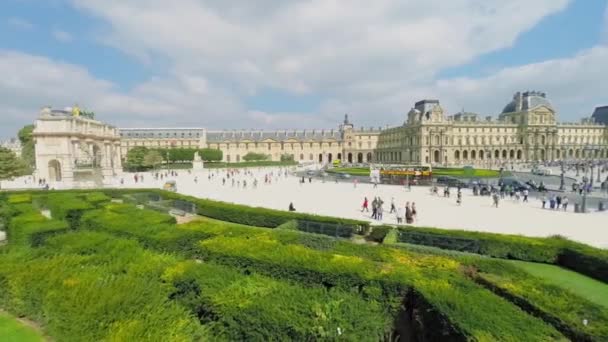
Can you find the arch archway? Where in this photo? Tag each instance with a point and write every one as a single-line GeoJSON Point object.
{"type": "Point", "coordinates": [481, 154]}
{"type": "Point", "coordinates": [465, 154]}
{"type": "Point", "coordinates": [519, 154]}
{"type": "Point", "coordinates": [54, 171]}
{"type": "Point", "coordinates": [512, 154]}
{"type": "Point", "coordinates": [436, 156]}
{"type": "Point", "coordinates": [542, 154]}
{"type": "Point", "coordinates": [369, 157]}
{"type": "Point", "coordinates": [350, 157]}
{"type": "Point", "coordinates": [360, 157]}
{"type": "Point", "coordinates": [339, 156]}
{"type": "Point", "coordinates": [329, 157]}
{"type": "Point", "coordinates": [496, 154]}
{"type": "Point", "coordinates": [504, 154]}
{"type": "Point", "coordinates": [577, 153]}
{"type": "Point", "coordinates": [320, 157]}
{"type": "Point", "coordinates": [457, 155]}
{"type": "Point", "coordinates": [301, 156]}
{"type": "Point", "coordinates": [473, 155]}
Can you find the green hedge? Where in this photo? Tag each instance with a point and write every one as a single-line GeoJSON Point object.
{"type": "Point", "coordinates": [313, 259]}
{"type": "Point", "coordinates": [552, 303]}
{"type": "Point", "coordinates": [263, 217]}
{"type": "Point", "coordinates": [29, 228]}
{"type": "Point", "coordinates": [581, 258]}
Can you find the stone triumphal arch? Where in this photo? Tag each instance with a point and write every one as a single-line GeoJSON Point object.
{"type": "Point", "coordinates": [75, 150]}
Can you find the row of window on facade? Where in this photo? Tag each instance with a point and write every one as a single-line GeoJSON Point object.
{"type": "Point", "coordinates": [159, 135]}
{"type": "Point", "coordinates": [497, 154]}
{"type": "Point", "coordinates": [505, 140]}
{"type": "Point", "coordinates": [321, 157]}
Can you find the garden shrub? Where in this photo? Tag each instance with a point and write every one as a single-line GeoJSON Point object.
{"type": "Point", "coordinates": [20, 198]}
{"type": "Point", "coordinates": [563, 309]}
{"type": "Point", "coordinates": [378, 233]}
{"type": "Point", "coordinates": [584, 259]}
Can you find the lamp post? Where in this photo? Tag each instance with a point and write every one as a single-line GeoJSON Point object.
{"type": "Point", "coordinates": [562, 185]}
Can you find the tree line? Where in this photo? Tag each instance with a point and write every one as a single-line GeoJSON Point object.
{"type": "Point", "coordinates": [141, 158]}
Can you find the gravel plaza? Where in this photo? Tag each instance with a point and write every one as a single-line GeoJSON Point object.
{"type": "Point", "coordinates": [343, 199]}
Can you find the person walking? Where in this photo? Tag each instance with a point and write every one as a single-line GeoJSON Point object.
{"type": "Point", "coordinates": [393, 209]}
{"type": "Point", "coordinates": [365, 205]}
{"type": "Point", "coordinates": [414, 212]}
{"type": "Point", "coordinates": [459, 197]}
{"type": "Point", "coordinates": [374, 208]}
{"type": "Point", "coordinates": [544, 201]}
{"type": "Point", "coordinates": [408, 213]}
{"type": "Point", "coordinates": [380, 212]}
{"type": "Point", "coordinates": [400, 215]}
{"type": "Point", "coordinates": [495, 199]}
{"type": "Point", "coordinates": [565, 203]}
{"type": "Point", "coordinates": [526, 195]}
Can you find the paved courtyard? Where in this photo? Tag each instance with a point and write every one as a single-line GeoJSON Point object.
{"type": "Point", "coordinates": [345, 200]}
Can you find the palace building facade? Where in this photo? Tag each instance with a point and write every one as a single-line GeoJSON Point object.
{"type": "Point", "coordinates": [527, 130]}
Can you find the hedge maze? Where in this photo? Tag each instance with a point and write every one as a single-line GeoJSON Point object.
{"type": "Point", "coordinates": [114, 265]}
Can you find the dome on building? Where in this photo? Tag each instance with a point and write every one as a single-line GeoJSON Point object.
{"type": "Point", "coordinates": [527, 101]}
{"type": "Point", "coordinates": [600, 115]}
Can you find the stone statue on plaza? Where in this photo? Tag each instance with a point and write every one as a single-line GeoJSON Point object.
{"type": "Point", "coordinates": [197, 162]}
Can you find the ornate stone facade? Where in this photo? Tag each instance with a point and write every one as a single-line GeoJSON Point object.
{"type": "Point", "coordinates": [316, 145]}
{"type": "Point", "coordinates": [73, 149]}
{"type": "Point", "coordinates": [527, 130]}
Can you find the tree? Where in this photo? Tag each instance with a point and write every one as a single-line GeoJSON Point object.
{"type": "Point", "coordinates": [211, 154]}
{"type": "Point", "coordinates": [152, 159]}
{"type": "Point", "coordinates": [287, 158]}
{"type": "Point", "coordinates": [27, 145]}
{"type": "Point", "coordinates": [135, 158]}
{"type": "Point", "coordinates": [10, 165]}
{"type": "Point", "coordinates": [252, 156]}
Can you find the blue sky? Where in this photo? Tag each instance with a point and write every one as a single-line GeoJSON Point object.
{"type": "Point", "coordinates": [294, 64]}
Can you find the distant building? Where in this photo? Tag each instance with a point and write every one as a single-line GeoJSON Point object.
{"type": "Point", "coordinates": [12, 144]}
{"type": "Point", "coordinates": [74, 149]}
{"type": "Point", "coordinates": [600, 115]}
{"type": "Point", "coordinates": [162, 138]}
{"type": "Point", "coordinates": [526, 130]}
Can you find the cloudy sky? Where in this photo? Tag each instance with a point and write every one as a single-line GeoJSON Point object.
{"type": "Point", "coordinates": [295, 63]}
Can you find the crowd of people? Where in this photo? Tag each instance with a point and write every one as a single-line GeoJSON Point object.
{"type": "Point", "coordinates": [406, 212]}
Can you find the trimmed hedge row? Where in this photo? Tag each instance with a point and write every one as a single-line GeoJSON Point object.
{"type": "Point", "coordinates": [27, 227]}
{"type": "Point", "coordinates": [255, 216]}
{"type": "Point", "coordinates": [552, 303]}
{"type": "Point", "coordinates": [383, 272]}
{"type": "Point", "coordinates": [578, 257]}
{"type": "Point", "coordinates": [94, 286]}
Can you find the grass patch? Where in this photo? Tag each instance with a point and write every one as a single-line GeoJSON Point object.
{"type": "Point", "coordinates": [452, 172]}
{"type": "Point", "coordinates": [11, 330]}
{"type": "Point", "coordinates": [589, 288]}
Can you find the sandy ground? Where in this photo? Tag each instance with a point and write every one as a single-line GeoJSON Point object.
{"type": "Point", "coordinates": [345, 200]}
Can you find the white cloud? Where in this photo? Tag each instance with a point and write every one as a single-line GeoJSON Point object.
{"type": "Point", "coordinates": [62, 36]}
{"type": "Point", "coordinates": [31, 82]}
{"type": "Point", "coordinates": [20, 24]}
{"type": "Point", "coordinates": [318, 45]}
{"type": "Point", "coordinates": [370, 59]}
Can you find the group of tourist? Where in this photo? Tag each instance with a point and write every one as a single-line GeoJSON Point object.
{"type": "Point", "coordinates": [407, 212]}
